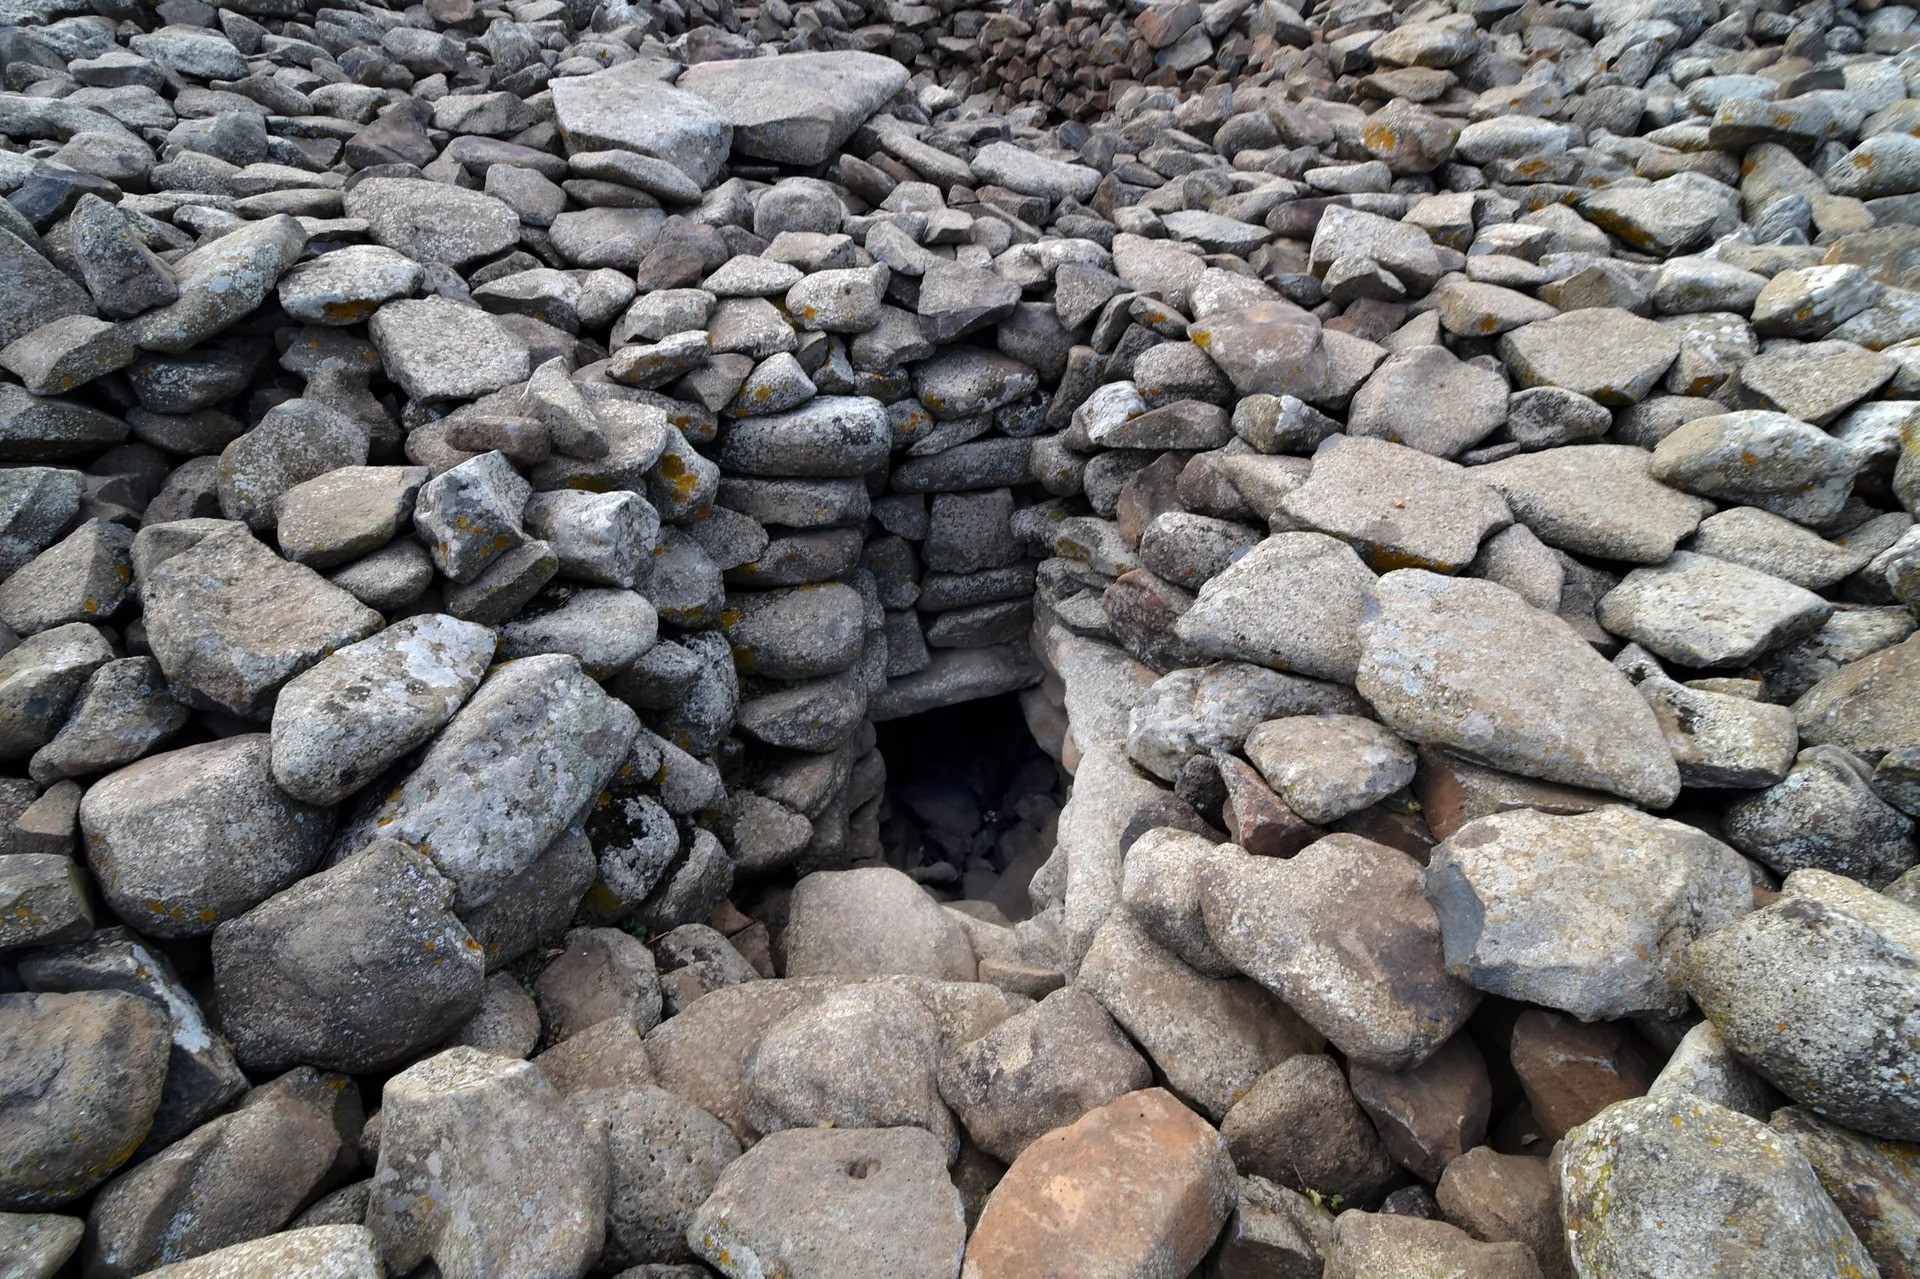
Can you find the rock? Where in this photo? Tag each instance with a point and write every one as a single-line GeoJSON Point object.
{"type": "Point", "coordinates": [1039, 1070]}
{"type": "Point", "coordinates": [795, 108]}
{"type": "Point", "coordinates": [1343, 934]}
{"type": "Point", "coordinates": [1398, 507]}
{"type": "Point", "coordinates": [1589, 913]}
{"type": "Point", "coordinates": [1596, 499]}
{"type": "Point", "coordinates": [230, 621]}
{"type": "Point", "coordinates": [666, 1157]}
{"type": "Point", "coordinates": [351, 969]}
{"type": "Point", "coordinates": [1289, 603]}
{"type": "Point", "coordinates": [241, 1175]}
{"type": "Point", "coordinates": [1824, 814]}
{"type": "Point", "coordinates": [872, 922]}
{"type": "Point", "coordinates": [87, 1070]}
{"type": "Point", "coordinates": [1703, 1067]}
{"type": "Point", "coordinates": [183, 840]}
{"type": "Point", "coordinates": [602, 973]}
{"type": "Point", "coordinates": [83, 577]}
{"type": "Point", "coordinates": [832, 435]}
{"type": "Point", "coordinates": [1630, 1195]}
{"type": "Point", "coordinates": [1832, 962]}
{"type": "Point", "coordinates": [1750, 536]}
{"type": "Point", "coordinates": [1298, 1126]}
{"type": "Point", "coordinates": [34, 291]}
{"type": "Point", "coordinates": [1701, 612]}
{"type": "Point", "coordinates": [861, 1057]}
{"type": "Point", "coordinates": [1428, 1115]}
{"type": "Point", "coordinates": [438, 350]}
{"type": "Point", "coordinates": [1028, 173]}
{"type": "Point", "coordinates": [44, 900]}
{"type": "Point", "coordinates": [1273, 1232]}
{"type": "Point", "coordinates": [1327, 766]}
{"type": "Point", "coordinates": [1571, 1070]}
{"type": "Point", "coordinates": [1870, 1181]}
{"type": "Point", "coordinates": [221, 282]}
{"type": "Point", "coordinates": [432, 221]}
{"type": "Point", "coordinates": [348, 285]}
{"type": "Point", "coordinates": [316, 1252]}
{"type": "Point", "coordinates": [810, 1202]}
{"type": "Point", "coordinates": [518, 764]}
{"type": "Point", "coordinates": [39, 681]}
{"type": "Point", "coordinates": [38, 1244]}
{"type": "Point", "coordinates": [1379, 1245]}
{"type": "Point", "coordinates": [1165, 1185]}
{"type": "Point", "coordinates": [629, 108]}
{"type": "Point", "coordinates": [1867, 706]}
{"type": "Point", "coordinates": [1604, 353]}
{"type": "Point", "coordinates": [1428, 400]}
{"type": "Point", "coordinates": [1506, 1198]}
{"type": "Point", "coordinates": [442, 1192]}
{"type": "Point", "coordinates": [1761, 458]}
{"type": "Point", "coordinates": [1470, 665]}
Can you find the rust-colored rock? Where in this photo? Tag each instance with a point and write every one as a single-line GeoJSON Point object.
{"type": "Point", "coordinates": [1258, 819]}
{"type": "Point", "coordinates": [1137, 1189]}
{"type": "Point", "coordinates": [1573, 1070]}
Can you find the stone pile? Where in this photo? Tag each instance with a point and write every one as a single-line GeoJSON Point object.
{"type": "Point", "coordinates": [1440, 482]}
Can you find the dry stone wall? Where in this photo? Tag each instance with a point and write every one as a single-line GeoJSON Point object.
{"type": "Point", "coordinates": [1439, 479]}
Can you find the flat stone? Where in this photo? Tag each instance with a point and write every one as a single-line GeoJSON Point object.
{"type": "Point", "coordinates": [433, 221]}
{"type": "Point", "coordinates": [1429, 400]}
{"type": "Point", "coordinates": [1590, 913]}
{"type": "Point", "coordinates": [1153, 1180]}
{"type": "Point", "coordinates": [340, 1251]}
{"type": "Point", "coordinates": [1397, 506]}
{"type": "Point", "coordinates": [1291, 603]}
{"type": "Point", "coordinates": [1470, 665]}
{"type": "Point", "coordinates": [795, 108]}
{"type": "Point", "coordinates": [1327, 766]}
{"type": "Point", "coordinates": [439, 350]}
{"type": "Point", "coordinates": [630, 108]}
{"type": "Point", "coordinates": [1868, 705]}
{"type": "Point", "coordinates": [1605, 353]}
{"type": "Point", "coordinates": [1596, 499]}
{"type": "Point", "coordinates": [1019, 169]}
{"type": "Point", "coordinates": [1760, 458]}
{"type": "Point", "coordinates": [1700, 611]}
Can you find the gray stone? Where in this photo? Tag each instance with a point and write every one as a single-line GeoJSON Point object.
{"type": "Point", "coordinates": [1343, 933]}
{"type": "Point", "coordinates": [666, 1157]}
{"type": "Point", "coordinates": [1825, 814]}
{"type": "Point", "coordinates": [1762, 459]}
{"type": "Point", "coordinates": [1629, 1192]}
{"type": "Point", "coordinates": [1327, 766]}
{"type": "Point", "coordinates": [37, 504]}
{"type": "Point", "coordinates": [1470, 665]}
{"type": "Point", "coordinates": [631, 108]}
{"type": "Point", "coordinates": [439, 350]}
{"type": "Point", "coordinates": [796, 108]}
{"type": "Point", "coordinates": [1019, 169]}
{"type": "Point", "coordinates": [1596, 499]}
{"type": "Point", "coordinates": [1868, 705]}
{"type": "Point", "coordinates": [39, 680]}
{"type": "Point", "coordinates": [1817, 992]}
{"type": "Point", "coordinates": [344, 514]}
{"type": "Point", "coordinates": [834, 928]}
{"type": "Point", "coordinates": [1588, 913]}
{"type": "Point", "coordinates": [183, 840]}
{"type": "Point", "coordinates": [1605, 353]}
{"type": "Point", "coordinates": [347, 285]}
{"type": "Point", "coordinates": [123, 711]}
{"type": "Point", "coordinates": [1700, 611]}
{"type": "Point", "coordinates": [33, 291]}
{"type": "Point", "coordinates": [294, 442]}
{"type": "Point", "coordinates": [1428, 400]}
{"type": "Point", "coordinates": [1773, 545]}
{"type": "Point", "coordinates": [221, 283]}
{"type": "Point", "coordinates": [829, 436]}
{"type": "Point", "coordinates": [433, 221]}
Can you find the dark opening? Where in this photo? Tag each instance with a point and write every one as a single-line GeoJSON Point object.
{"type": "Point", "coordinates": [972, 801]}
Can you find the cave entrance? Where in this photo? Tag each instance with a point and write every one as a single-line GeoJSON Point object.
{"type": "Point", "coordinates": [972, 802]}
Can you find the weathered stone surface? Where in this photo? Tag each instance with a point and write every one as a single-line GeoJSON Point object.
{"type": "Point", "coordinates": [872, 922]}
{"type": "Point", "coordinates": [1591, 913]}
{"type": "Point", "coordinates": [1819, 992]}
{"type": "Point", "coordinates": [1290, 603]}
{"type": "Point", "coordinates": [630, 108]}
{"type": "Point", "coordinates": [1139, 1186]}
{"type": "Point", "coordinates": [1596, 499]}
{"type": "Point", "coordinates": [666, 1157]}
{"type": "Point", "coordinates": [1472, 666]}
{"type": "Point", "coordinates": [867, 1203]}
{"type": "Point", "coordinates": [1630, 1193]}
{"type": "Point", "coordinates": [796, 108]}
{"type": "Point", "coordinates": [1343, 933]}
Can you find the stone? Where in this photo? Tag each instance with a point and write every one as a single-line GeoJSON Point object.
{"type": "Point", "coordinates": [1429, 1115]}
{"type": "Point", "coordinates": [1428, 400]}
{"type": "Point", "coordinates": [1469, 665]}
{"type": "Point", "coordinates": [829, 436]}
{"type": "Point", "coordinates": [1842, 1051]}
{"type": "Point", "coordinates": [442, 1192]}
{"type": "Point", "coordinates": [87, 1069]}
{"type": "Point", "coordinates": [37, 505]}
{"type": "Point", "coordinates": [1866, 705]}
{"type": "Point", "coordinates": [601, 973]}
{"type": "Point", "coordinates": [346, 513]}
{"type": "Point", "coordinates": [1762, 459]}
{"type": "Point", "coordinates": [39, 1243]}
{"type": "Point", "coordinates": [1273, 1233]}
{"type": "Point", "coordinates": [124, 276]}
{"type": "Point", "coordinates": [1343, 933]}
{"type": "Point", "coordinates": [1299, 1127]}
{"type": "Point", "coordinates": [183, 840]}
{"type": "Point", "coordinates": [1702, 1066]}
{"type": "Point", "coordinates": [230, 622]}
{"type": "Point", "coordinates": [795, 108]}
{"type": "Point", "coordinates": [84, 576]}
{"type": "Point", "coordinates": [1813, 382]}
{"type": "Point", "coordinates": [628, 107]}
{"type": "Point", "coordinates": [337, 1251]}
{"type": "Point", "coordinates": [1722, 740]}
{"type": "Point", "coordinates": [1604, 353]}
{"type": "Point", "coordinates": [1702, 612]}
{"type": "Point", "coordinates": [1290, 603]}
{"type": "Point", "coordinates": [860, 1057]}
{"type": "Point", "coordinates": [238, 1176]}
{"type": "Point", "coordinates": [666, 1158]}
{"type": "Point", "coordinates": [1596, 499]}
{"type": "Point", "coordinates": [1327, 766]}
{"type": "Point", "coordinates": [513, 769]}
{"type": "Point", "coordinates": [872, 922]}
{"type": "Point", "coordinates": [1824, 814]}
{"type": "Point", "coordinates": [1380, 1245]}
{"type": "Point", "coordinates": [40, 680]}
{"type": "Point", "coordinates": [1506, 1199]}
{"type": "Point", "coordinates": [1629, 1191]}
{"type": "Point", "coordinates": [1019, 169]}
{"type": "Point", "coordinates": [1039, 1070]}
{"type": "Point", "coordinates": [349, 284]}
{"type": "Point", "coordinates": [857, 1202]}
{"type": "Point", "coordinates": [221, 282]}
{"type": "Point", "coordinates": [43, 900]}
{"type": "Point", "coordinates": [1572, 1070]}
{"type": "Point", "coordinates": [1589, 913]}
{"type": "Point", "coordinates": [35, 291]}
{"type": "Point", "coordinates": [439, 350]}
{"type": "Point", "coordinates": [1164, 1187]}
{"type": "Point", "coordinates": [1209, 1037]}
{"type": "Point", "coordinates": [1870, 1181]}
{"type": "Point", "coordinates": [294, 442]}
{"type": "Point", "coordinates": [433, 221]}
{"type": "Point", "coordinates": [1397, 506]}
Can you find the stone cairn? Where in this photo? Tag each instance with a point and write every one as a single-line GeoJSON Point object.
{"type": "Point", "coordinates": [1438, 477]}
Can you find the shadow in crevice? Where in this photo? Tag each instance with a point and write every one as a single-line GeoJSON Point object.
{"type": "Point", "coordinates": [972, 801]}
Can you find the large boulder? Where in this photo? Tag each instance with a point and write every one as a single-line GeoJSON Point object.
{"type": "Point", "coordinates": [796, 108]}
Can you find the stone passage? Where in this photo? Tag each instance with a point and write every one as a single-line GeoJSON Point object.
{"type": "Point", "coordinates": [1019, 641]}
